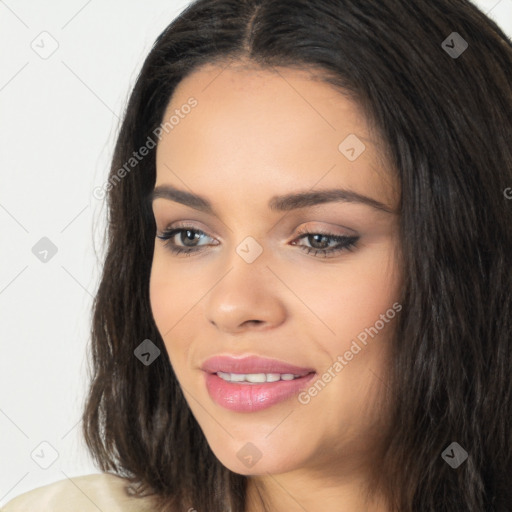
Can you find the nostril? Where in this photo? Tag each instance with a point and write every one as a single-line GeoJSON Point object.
{"type": "Point", "coordinates": [254, 322]}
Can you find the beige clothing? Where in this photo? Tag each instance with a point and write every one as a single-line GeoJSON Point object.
{"type": "Point", "coordinates": [104, 492]}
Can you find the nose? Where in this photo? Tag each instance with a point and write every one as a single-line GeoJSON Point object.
{"type": "Point", "coordinates": [249, 296]}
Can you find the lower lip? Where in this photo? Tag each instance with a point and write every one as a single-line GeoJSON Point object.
{"type": "Point", "coordinates": [253, 397]}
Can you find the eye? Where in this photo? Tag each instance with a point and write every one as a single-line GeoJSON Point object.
{"type": "Point", "coordinates": [320, 241]}
{"type": "Point", "coordinates": [187, 235]}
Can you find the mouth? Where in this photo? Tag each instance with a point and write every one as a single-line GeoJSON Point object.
{"type": "Point", "coordinates": [250, 384]}
{"type": "Point", "coordinates": [253, 366]}
{"type": "Point", "coordinates": [257, 378]}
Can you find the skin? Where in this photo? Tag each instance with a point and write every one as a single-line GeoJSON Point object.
{"type": "Point", "coordinates": [254, 134]}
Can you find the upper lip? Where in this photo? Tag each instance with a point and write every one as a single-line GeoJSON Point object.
{"type": "Point", "coordinates": [251, 364]}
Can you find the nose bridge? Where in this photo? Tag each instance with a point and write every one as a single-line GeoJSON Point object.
{"type": "Point", "coordinates": [249, 250]}
{"type": "Point", "coordinates": [248, 233]}
{"type": "Point", "coordinates": [248, 274]}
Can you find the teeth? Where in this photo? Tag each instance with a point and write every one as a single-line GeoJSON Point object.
{"type": "Point", "coordinates": [256, 378]}
{"type": "Point", "coordinates": [234, 377]}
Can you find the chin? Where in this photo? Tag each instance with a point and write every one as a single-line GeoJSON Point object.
{"type": "Point", "coordinates": [257, 456]}
{"type": "Point", "coordinates": [261, 467]}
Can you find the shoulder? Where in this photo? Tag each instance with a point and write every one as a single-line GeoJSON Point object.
{"type": "Point", "coordinates": [104, 491]}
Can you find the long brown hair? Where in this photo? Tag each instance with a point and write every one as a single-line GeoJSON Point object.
{"type": "Point", "coordinates": [442, 104]}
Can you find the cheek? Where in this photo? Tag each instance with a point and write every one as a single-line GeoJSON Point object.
{"type": "Point", "coordinates": [171, 298]}
{"type": "Point", "coordinates": [157, 293]}
{"type": "Point", "coordinates": [352, 297]}
{"type": "Point", "coordinates": [356, 309]}
{"type": "Point", "coordinates": [166, 299]}
{"type": "Point", "coordinates": [170, 291]}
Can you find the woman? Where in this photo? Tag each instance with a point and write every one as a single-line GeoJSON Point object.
{"type": "Point", "coordinates": [305, 303]}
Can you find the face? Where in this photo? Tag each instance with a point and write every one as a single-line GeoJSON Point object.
{"type": "Point", "coordinates": [310, 284]}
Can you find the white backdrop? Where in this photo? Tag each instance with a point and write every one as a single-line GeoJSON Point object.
{"type": "Point", "coordinates": [66, 69]}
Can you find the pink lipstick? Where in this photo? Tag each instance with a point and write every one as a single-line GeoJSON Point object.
{"type": "Point", "coordinates": [250, 384]}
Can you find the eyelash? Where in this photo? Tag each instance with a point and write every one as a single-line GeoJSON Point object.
{"type": "Point", "coordinates": [346, 243]}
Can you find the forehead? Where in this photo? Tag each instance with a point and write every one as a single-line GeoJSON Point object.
{"type": "Point", "coordinates": [280, 125]}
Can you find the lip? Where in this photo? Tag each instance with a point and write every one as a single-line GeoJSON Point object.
{"type": "Point", "coordinates": [247, 397]}
{"type": "Point", "coordinates": [251, 364]}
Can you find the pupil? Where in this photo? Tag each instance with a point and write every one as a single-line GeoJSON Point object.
{"type": "Point", "coordinates": [189, 234]}
{"type": "Point", "coordinates": [315, 241]}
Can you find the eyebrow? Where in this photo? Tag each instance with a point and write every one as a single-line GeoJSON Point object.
{"type": "Point", "coordinates": [282, 203]}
